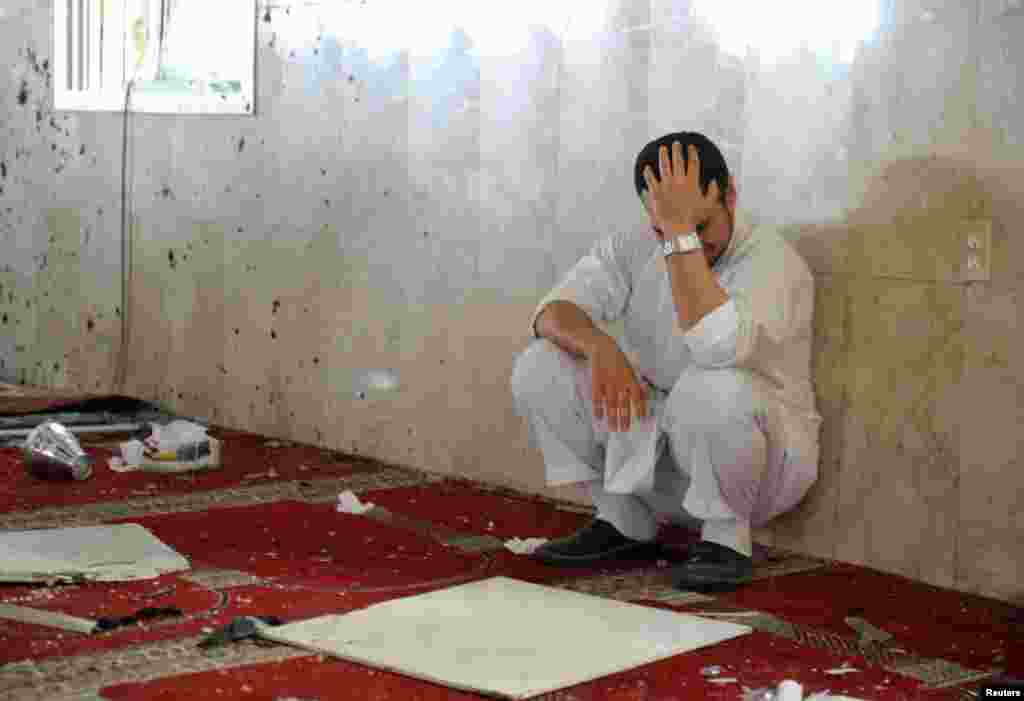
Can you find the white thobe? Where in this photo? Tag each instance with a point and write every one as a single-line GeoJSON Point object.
{"type": "Point", "coordinates": [764, 328]}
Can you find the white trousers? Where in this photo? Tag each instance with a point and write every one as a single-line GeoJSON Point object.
{"type": "Point", "coordinates": [722, 468]}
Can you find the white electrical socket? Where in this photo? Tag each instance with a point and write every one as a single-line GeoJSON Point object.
{"type": "Point", "coordinates": [977, 233]}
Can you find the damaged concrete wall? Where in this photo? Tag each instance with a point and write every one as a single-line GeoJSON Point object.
{"type": "Point", "coordinates": [407, 193]}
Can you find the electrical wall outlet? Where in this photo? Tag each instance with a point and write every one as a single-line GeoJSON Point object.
{"type": "Point", "coordinates": [976, 235]}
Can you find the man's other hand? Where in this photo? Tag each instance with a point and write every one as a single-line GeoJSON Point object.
{"type": "Point", "coordinates": [616, 392]}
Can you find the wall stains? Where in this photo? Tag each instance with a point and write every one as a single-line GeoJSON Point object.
{"type": "Point", "coordinates": [41, 69]}
{"type": "Point", "coordinates": [23, 93]}
{"type": "Point", "coordinates": [3, 169]}
{"type": "Point", "coordinates": [276, 306]}
{"type": "Point", "coordinates": [166, 192]}
{"type": "Point", "coordinates": [241, 144]}
{"type": "Point", "coordinates": [171, 260]}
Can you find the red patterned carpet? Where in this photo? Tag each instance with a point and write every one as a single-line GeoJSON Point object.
{"type": "Point", "coordinates": [264, 539]}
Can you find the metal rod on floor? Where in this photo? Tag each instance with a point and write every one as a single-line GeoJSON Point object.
{"type": "Point", "coordinates": [108, 428]}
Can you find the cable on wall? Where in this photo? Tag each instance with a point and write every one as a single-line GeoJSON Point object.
{"type": "Point", "coordinates": [127, 241]}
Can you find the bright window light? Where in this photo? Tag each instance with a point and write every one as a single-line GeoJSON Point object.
{"type": "Point", "coordinates": [426, 28]}
{"type": "Point", "coordinates": [776, 29]}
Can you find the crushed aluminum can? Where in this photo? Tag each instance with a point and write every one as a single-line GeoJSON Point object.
{"type": "Point", "coordinates": [711, 670]}
{"type": "Point", "coordinates": [52, 452]}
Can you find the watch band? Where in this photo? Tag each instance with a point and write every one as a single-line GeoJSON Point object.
{"type": "Point", "coordinates": [681, 244]}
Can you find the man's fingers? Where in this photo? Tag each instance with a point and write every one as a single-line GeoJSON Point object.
{"type": "Point", "coordinates": [663, 162]}
{"type": "Point", "coordinates": [693, 172]}
{"type": "Point", "coordinates": [649, 178]}
{"type": "Point", "coordinates": [678, 164]}
{"type": "Point", "coordinates": [619, 406]}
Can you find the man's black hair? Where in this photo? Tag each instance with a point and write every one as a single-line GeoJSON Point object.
{"type": "Point", "coordinates": [712, 163]}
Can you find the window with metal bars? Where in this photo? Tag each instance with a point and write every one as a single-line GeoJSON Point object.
{"type": "Point", "coordinates": [175, 56]}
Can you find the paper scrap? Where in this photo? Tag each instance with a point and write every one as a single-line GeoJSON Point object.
{"type": "Point", "coordinates": [524, 546]}
{"type": "Point", "coordinates": [348, 503]}
{"type": "Point", "coordinates": [724, 680]}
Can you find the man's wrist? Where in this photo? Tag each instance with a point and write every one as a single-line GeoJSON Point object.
{"type": "Point", "coordinates": [597, 339]}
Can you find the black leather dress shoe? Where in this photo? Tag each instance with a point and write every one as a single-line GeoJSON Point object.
{"type": "Point", "coordinates": [596, 542]}
{"type": "Point", "coordinates": [712, 567]}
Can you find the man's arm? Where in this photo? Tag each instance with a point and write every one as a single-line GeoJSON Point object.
{"type": "Point", "coordinates": [695, 290]}
{"type": "Point", "coordinates": [568, 327]}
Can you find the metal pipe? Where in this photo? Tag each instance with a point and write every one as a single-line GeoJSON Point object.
{"type": "Point", "coordinates": [109, 428]}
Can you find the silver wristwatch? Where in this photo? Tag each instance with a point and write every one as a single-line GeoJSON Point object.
{"type": "Point", "coordinates": [681, 244]}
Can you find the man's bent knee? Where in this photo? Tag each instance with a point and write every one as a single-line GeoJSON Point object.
{"type": "Point", "coordinates": [538, 368]}
{"type": "Point", "coordinates": [720, 395]}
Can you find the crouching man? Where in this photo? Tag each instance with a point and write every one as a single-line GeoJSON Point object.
{"type": "Point", "coordinates": [713, 423]}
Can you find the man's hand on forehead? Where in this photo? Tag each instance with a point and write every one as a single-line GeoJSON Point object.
{"type": "Point", "coordinates": [675, 201]}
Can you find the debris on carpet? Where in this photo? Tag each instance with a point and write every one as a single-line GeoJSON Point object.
{"type": "Point", "coordinates": [348, 503]}
{"type": "Point", "coordinates": [109, 553]}
{"type": "Point", "coordinates": [524, 546]}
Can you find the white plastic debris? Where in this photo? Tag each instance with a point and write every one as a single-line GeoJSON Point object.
{"type": "Point", "coordinates": [845, 669]}
{"type": "Point", "coordinates": [348, 503]}
{"type": "Point", "coordinates": [711, 671]}
{"type": "Point", "coordinates": [524, 546]}
{"type": "Point", "coordinates": [790, 690]}
{"type": "Point", "coordinates": [770, 694]}
{"type": "Point", "coordinates": [119, 465]}
{"type": "Point", "coordinates": [175, 435]}
{"type": "Point", "coordinates": [131, 456]}
{"type": "Point", "coordinates": [180, 446]}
